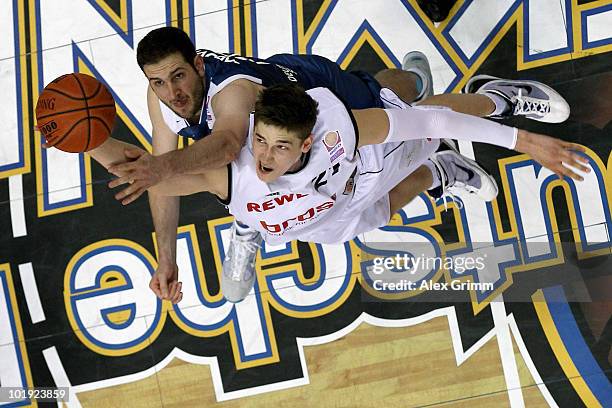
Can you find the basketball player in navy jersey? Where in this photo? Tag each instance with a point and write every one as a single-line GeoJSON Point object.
{"type": "Point", "coordinates": [192, 93]}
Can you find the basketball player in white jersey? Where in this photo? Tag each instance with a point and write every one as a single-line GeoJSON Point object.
{"type": "Point", "coordinates": [330, 174]}
{"type": "Point", "coordinates": [192, 93]}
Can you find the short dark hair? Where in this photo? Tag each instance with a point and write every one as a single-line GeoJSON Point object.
{"type": "Point", "coordinates": [288, 107]}
{"type": "Point", "coordinates": [164, 41]}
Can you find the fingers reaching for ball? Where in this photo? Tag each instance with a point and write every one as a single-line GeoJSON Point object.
{"type": "Point", "coordinates": [140, 171]}
{"type": "Point", "coordinates": [45, 144]}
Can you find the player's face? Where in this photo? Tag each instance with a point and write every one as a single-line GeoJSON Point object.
{"type": "Point", "coordinates": [178, 84]}
{"type": "Point", "coordinates": [277, 151]}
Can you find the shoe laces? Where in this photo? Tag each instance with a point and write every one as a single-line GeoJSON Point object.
{"type": "Point", "coordinates": [244, 249]}
{"type": "Point", "coordinates": [447, 193]}
{"type": "Point", "coordinates": [525, 105]}
{"type": "Point", "coordinates": [447, 188]}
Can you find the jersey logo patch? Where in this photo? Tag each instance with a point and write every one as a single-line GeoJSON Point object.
{"type": "Point", "coordinates": [350, 184]}
{"type": "Point", "coordinates": [333, 144]}
{"type": "Point", "coordinates": [209, 116]}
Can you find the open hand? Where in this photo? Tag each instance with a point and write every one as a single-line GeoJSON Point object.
{"type": "Point", "coordinates": [140, 171]}
{"type": "Point", "coordinates": [554, 154]}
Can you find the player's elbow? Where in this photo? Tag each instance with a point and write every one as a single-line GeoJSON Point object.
{"type": "Point", "coordinates": [156, 190]}
{"type": "Point", "coordinates": [231, 149]}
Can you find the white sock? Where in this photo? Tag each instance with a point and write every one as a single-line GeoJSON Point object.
{"type": "Point", "coordinates": [434, 174]}
{"type": "Point", "coordinates": [242, 229]}
{"type": "Point", "coordinates": [501, 105]}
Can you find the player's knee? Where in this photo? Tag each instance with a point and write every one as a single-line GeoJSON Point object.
{"type": "Point", "coordinates": [392, 77]}
{"type": "Point", "coordinates": [383, 77]}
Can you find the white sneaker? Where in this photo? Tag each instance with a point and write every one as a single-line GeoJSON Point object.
{"type": "Point", "coordinates": [531, 99]}
{"type": "Point", "coordinates": [460, 175]}
{"type": "Point", "coordinates": [238, 274]}
{"type": "Point", "coordinates": [417, 63]}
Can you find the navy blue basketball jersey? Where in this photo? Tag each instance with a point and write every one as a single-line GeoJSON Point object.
{"type": "Point", "coordinates": [358, 90]}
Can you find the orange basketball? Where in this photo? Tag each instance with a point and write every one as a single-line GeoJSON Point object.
{"type": "Point", "coordinates": [75, 113]}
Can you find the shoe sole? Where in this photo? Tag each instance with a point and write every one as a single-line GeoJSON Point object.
{"type": "Point", "coordinates": [236, 293]}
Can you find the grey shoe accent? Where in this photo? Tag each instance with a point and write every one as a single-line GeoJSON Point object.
{"type": "Point", "coordinates": [417, 63]}
{"type": "Point", "coordinates": [531, 99]}
{"type": "Point", "coordinates": [476, 82]}
{"type": "Point", "coordinates": [460, 175]}
{"type": "Point", "coordinates": [238, 274]}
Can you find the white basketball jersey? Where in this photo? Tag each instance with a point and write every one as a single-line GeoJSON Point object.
{"type": "Point", "coordinates": [296, 205]}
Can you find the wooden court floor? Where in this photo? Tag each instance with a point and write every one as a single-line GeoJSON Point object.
{"type": "Point", "coordinates": [372, 366]}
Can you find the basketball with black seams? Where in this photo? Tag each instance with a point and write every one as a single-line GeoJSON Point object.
{"type": "Point", "coordinates": [75, 113]}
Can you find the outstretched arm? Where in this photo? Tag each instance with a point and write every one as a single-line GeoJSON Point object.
{"type": "Point", "coordinates": [232, 107]}
{"type": "Point", "coordinates": [392, 125]}
{"type": "Point", "coordinates": [112, 152]}
{"type": "Point", "coordinates": [214, 181]}
{"type": "Point", "coordinates": [164, 203]}
{"type": "Point", "coordinates": [164, 212]}
{"type": "Point", "coordinates": [163, 200]}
